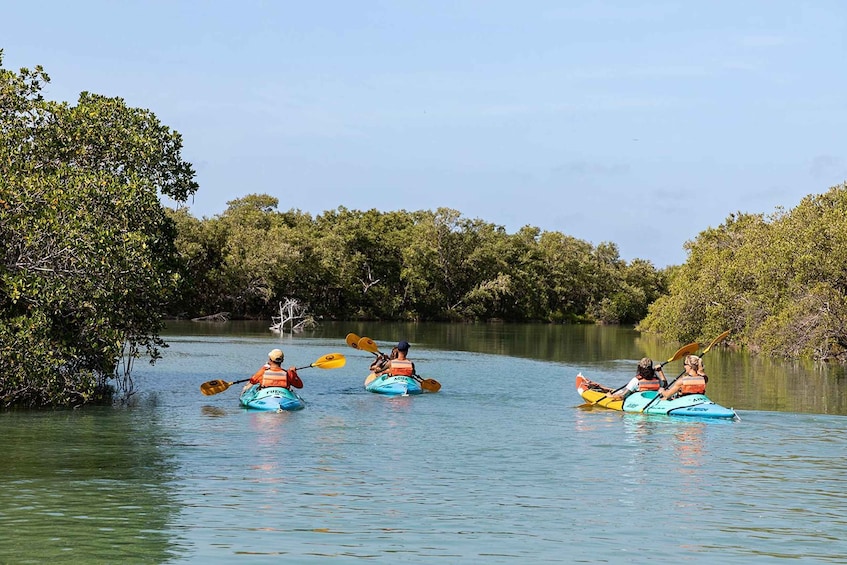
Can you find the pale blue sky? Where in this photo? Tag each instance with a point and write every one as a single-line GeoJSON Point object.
{"type": "Point", "coordinates": [636, 122]}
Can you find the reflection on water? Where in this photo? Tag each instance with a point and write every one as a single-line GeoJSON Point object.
{"type": "Point", "coordinates": [688, 442]}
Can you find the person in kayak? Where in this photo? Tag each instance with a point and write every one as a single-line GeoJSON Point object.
{"type": "Point", "coordinates": [692, 381]}
{"type": "Point", "coordinates": [401, 366]}
{"type": "Point", "coordinates": [380, 364]}
{"type": "Point", "coordinates": [647, 377]}
{"type": "Point", "coordinates": [272, 373]}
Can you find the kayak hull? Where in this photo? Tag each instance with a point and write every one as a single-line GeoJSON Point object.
{"type": "Point", "coordinates": [392, 385]}
{"type": "Point", "coordinates": [273, 398]}
{"type": "Point", "coordinates": [690, 405]}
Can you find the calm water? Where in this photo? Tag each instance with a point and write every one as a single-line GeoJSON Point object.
{"type": "Point", "coordinates": [501, 466]}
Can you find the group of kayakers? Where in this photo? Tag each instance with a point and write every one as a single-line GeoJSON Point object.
{"type": "Point", "coordinates": [272, 374]}
{"type": "Point", "coordinates": [651, 377]}
{"type": "Point", "coordinates": [395, 363]}
{"type": "Point", "coordinates": [648, 377]}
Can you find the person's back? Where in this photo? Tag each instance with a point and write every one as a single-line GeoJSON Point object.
{"type": "Point", "coordinates": [401, 366]}
{"type": "Point", "coordinates": [647, 377]}
{"type": "Point", "coordinates": [692, 381]}
{"type": "Point", "coordinates": [272, 373]}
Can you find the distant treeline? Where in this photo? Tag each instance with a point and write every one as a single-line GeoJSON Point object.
{"type": "Point", "coordinates": [424, 265]}
{"type": "Point", "coordinates": [91, 261]}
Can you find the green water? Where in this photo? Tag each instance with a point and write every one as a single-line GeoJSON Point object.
{"type": "Point", "coordinates": [501, 466]}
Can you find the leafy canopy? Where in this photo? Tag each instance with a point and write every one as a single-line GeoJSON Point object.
{"type": "Point", "coordinates": [88, 263]}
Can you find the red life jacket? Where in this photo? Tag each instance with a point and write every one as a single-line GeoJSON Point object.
{"type": "Point", "coordinates": [648, 384]}
{"type": "Point", "coordinates": [401, 367]}
{"type": "Point", "coordinates": [693, 384]}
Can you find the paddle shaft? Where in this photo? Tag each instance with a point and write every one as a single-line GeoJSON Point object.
{"type": "Point", "coordinates": [659, 395]}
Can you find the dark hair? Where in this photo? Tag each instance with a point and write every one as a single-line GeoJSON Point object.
{"type": "Point", "coordinates": [646, 372]}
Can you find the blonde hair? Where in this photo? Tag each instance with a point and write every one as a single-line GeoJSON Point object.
{"type": "Point", "coordinates": [694, 361]}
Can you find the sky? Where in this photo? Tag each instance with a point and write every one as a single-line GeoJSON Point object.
{"type": "Point", "coordinates": [640, 123]}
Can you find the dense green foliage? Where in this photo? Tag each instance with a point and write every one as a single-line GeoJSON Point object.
{"type": "Point", "coordinates": [91, 261]}
{"type": "Point", "coordinates": [88, 262]}
{"type": "Point", "coordinates": [779, 282]}
{"type": "Point", "coordinates": [424, 265]}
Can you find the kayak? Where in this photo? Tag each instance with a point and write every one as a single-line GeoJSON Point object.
{"type": "Point", "coordinates": [392, 385]}
{"type": "Point", "coordinates": [276, 398]}
{"type": "Point", "coordinates": [691, 405]}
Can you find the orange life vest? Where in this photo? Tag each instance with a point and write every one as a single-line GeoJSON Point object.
{"type": "Point", "coordinates": [401, 367]}
{"type": "Point", "coordinates": [693, 384]}
{"type": "Point", "coordinates": [648, 384]}
{"type": "Point", "coordinates": [275, 378]}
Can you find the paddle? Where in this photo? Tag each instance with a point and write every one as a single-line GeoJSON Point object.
{"type": "Point", "coordinates": [715, 341]}
{"type": "Point", "coordinates": [352, 340]}
{"type": "Point", "coordinates": [680, 353]}
{"type": "Point", "coordinates": [368, 344]}
{"type": "Point", "coordinates": [328, 361]}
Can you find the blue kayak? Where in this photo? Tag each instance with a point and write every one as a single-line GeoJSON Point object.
{"type": "Point", "coordinates": [698, 405]}
{"type": "Point", "coordinates": [274, 398]}
{"type": "Point", "coordinates": [392, 385]}
{"type": "Point", "coordinates": [690, 405]}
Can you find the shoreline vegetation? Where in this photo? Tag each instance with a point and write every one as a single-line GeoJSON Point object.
{"type": "Point", "coordinates": [94, 262]}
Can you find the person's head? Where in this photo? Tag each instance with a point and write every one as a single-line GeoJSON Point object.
{"type": "Point", "coordinates": [276, 356]}
{"type": "Point", "coordinates": [403, 347]}
{"type": "Point", "coordinates": [393, 354]}
{"type": "Point", "coordinates": [693, 361]}
{"type": "Point", "coordinates": [645, 368]}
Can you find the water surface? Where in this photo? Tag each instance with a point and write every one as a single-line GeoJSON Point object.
{"type": "Point", "coordinates": [501, 466]}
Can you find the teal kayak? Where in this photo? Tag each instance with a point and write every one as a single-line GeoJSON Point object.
{"type": "Point", "coordinates": [392, 385]}
{"type": "Point", "coordinates": [698, 405]}
{"type": "Point", "coordinates": [274, 398]}
{"type": "Point", "coordinates": [690, 405]}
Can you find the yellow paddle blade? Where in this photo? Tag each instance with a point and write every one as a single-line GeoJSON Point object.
{"type": "Point", "coordinates": [682, 352]}
{"type": "Point", "coordinates": [353, 340]}
{"type": "Point", "coordinates": [330, 361]}
{"type": "Point", "coordinates": [430, 385]}
{"type": "Point", "coordinates": [685, 350]}
{"type": "Point", "coordinates": [368, 344]}
{"type": "Point", "coordinates": [214, 387]}
{"type": "Point", "coordinates": [717, 340]}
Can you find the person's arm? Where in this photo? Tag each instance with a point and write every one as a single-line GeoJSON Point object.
{"type": "Point", "coordinates": [626, 390]}
{"type": "Point", "coordinates": [294, 378]}
{"type": "Point", "coordinates": [662, 380]}
{"type": "Point", "coordinates": [667, 393]}
{"type": "Point", "coordinates": [379, 364]}
{"type": "Point", "coordinates": [257, 378]}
